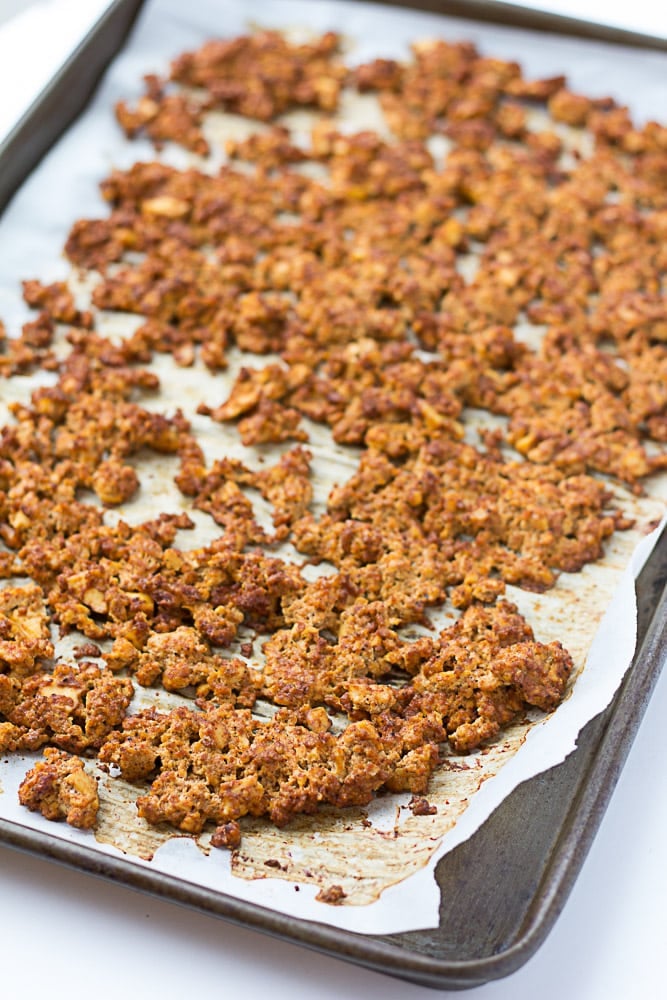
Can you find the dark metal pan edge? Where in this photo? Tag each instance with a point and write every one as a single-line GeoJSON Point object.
{"type": "Point", "coordinates": [596, 784]}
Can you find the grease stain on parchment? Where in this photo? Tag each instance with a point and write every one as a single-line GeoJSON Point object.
{"type": "Point", "coordinates": [335, 846]}
{"type": "Point", "coordinates": [341, 847]}
{"type": "Point", "coordinates": [119, 824]}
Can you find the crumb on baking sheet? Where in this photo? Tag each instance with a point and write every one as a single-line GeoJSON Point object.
{"type": "Point", "coordinates": [333, 895]}
{"type": "Point", "coordinates": [419, 806]}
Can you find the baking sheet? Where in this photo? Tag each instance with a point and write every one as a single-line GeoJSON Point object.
{"type": "Point", "coordinates": [397, 844]}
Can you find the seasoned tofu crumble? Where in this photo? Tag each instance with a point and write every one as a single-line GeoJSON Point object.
{"type": "Point", "coordinates": [491, 423]}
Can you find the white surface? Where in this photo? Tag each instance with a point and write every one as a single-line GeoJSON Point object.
{"type": "Point", "coordinates": [76, 936]}
{"type": "Point", "coordinates": [34, 43]}
{"type": "Point", "coordinates": [649, 16]}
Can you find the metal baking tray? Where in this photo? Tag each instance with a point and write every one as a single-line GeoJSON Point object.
{"type": "Point", "coordinates": [506, 885]}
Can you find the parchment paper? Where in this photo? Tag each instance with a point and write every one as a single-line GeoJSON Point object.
{"type": "Point", "coordinates": [386, 868]}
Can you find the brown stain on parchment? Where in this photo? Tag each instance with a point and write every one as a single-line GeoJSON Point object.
{"type": "Point", "coordinates": [119, 824]}
{"type": "Point", "coordinates": [338, 847]}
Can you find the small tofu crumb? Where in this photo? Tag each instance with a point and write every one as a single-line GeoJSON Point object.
{"type": "Point", "coordinates": [333, 895]}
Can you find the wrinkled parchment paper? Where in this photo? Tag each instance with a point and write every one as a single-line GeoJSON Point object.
{"type": "Point", "coordinates": [386, 868]}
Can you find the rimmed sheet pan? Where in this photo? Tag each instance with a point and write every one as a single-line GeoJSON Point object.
{"type": "Point", "coordinates": [504, 886]}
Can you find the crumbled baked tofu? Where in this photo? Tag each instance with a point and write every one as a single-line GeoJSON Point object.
{"type": "Point", "coordinates": [25, 638]}
{"type": "Point", "coordinates": [74, 707]}
{"type": "Point", "coordinates": [354, 286]}
{"type": "Point", "coordinates": [59, 788]}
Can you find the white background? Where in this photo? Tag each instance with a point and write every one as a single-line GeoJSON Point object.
{"type": "Point", "coordinates": [65, 934]}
